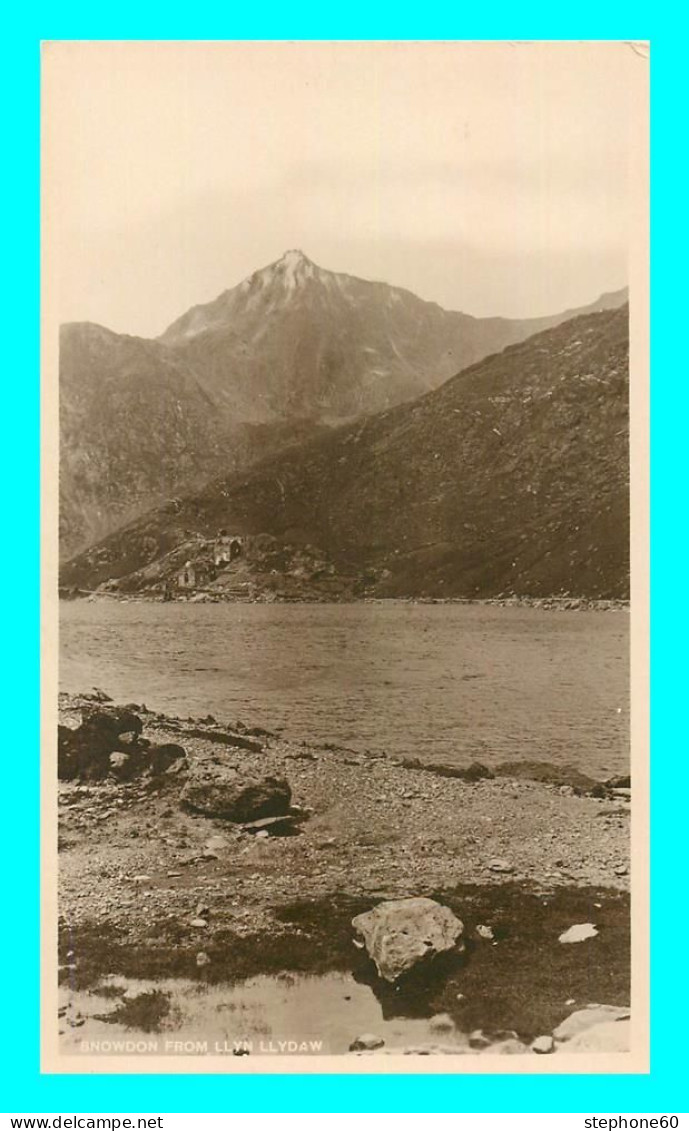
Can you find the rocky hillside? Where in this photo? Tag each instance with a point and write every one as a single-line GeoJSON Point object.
{"type": "Point", "coordinates": [289, 350]}
{"type": "Point", "coordinates": [136, 426]}
{"type": "Point", "coordinates": [512, 478]}
{"type": "Point", "coordinates": [295, 340]}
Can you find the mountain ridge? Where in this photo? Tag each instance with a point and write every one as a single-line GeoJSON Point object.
{"type": "Point", "coordinates": [511, 478]}
{"type": "Point", "coordinates": [290, 350]}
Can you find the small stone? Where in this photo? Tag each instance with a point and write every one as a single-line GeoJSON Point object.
{"type": "Point", "coordinates": [441, 1023]}
{"type": "Point", "coordinates": [199, 923]}
{"type": "Point", "coordinates": [484, 932]}
{"type": "Point", "coordinates": [500, 865]}
{"type": "Point", "coordinates": [621, 870]}
{"type": "Point", "coordinates": [262, 834]}
{"type": "Point", "coordinates": [172, 875]}
{"type": "Point", "coordinates": [202, 959]}
{"type": "Point", "coordinates": [578, 933]}
{"type": "Point", "coordinates": [478, 1039]}
{"type": "Point", "coordinates": [512, 1046]}
{"type": "Point", "coordinates": [142, 879]}
{"type": "Point", "coordinates": [544, 1044]}
{"type": "Point", "coordinates": [366, 1042]}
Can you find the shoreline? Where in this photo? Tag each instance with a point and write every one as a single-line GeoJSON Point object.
{"type": "Point", "coordinates": [148, 884]}
{"type": "Point", "coordinates": [558, 604]}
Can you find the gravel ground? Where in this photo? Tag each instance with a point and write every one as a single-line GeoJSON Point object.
{"type": "Point", "coordinates": [129, 852]}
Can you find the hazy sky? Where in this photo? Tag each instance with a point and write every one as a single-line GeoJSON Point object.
{"type": "Point", "coordinates": [490, 177]}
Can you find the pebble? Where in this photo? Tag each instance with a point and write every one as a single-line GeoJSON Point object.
{"type": "Point", "coordinates": [199, 923]}
{"type": "Point", "coordinates": [579, 932]}
{"type": "Point", "coordinates": [366, 1042]}
{"type": "Point", "coordinates": [499, 865]}
{"type": "Point", "coordinates": [441, 1023]}
{"type": "Point", "coordinates": [543, 1044]}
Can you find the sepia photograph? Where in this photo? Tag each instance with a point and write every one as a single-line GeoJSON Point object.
{"type": "Point", "coordinates": [344, 427]}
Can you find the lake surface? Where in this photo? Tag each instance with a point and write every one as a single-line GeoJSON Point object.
{"type": "Point", "coordinates": [449, 683]}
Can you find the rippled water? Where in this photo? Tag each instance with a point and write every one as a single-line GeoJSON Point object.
{"type": "Point", "coordinates": [439, 682]}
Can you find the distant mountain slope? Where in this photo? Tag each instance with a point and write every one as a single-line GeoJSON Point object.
{"type": "Point", "coordinates": [510, 478]}
{"type": "Point", "coordinates": [297, 340]}
{"type": "Point", "coordinates": [291, 349]}
{"type": "Point", "coordinates": [137, 426]}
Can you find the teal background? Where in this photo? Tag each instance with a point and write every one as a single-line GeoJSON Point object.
{"type": "Point", "coordinates": [25, 1089]}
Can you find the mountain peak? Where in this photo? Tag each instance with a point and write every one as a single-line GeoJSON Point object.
{"type": "Point", "coordinates": [295, 257]}
{"type": "Point", "coordinates": [293, 267]}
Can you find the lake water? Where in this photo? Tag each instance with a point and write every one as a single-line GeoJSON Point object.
{"type": "Point", "coordinates": [448, 683]}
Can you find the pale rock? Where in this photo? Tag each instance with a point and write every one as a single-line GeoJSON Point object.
{"type": "Point", "coordinates": [544, 1044]}
{"type": "Point", "coordinates": [608, 1036]}
{"type": "Point", "coordinates": [441, 1023]}
{"type": "Point", "coordinates": [584, 1019]}
{"type": "Point", "coordinates": [579, 932]}
{"type": "Point", "coordinates": [400, 933]}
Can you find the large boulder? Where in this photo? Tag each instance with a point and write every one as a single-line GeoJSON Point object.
{"type": "Point", "coordinates": [84, 753]}
{"type": "Point", "coordinates": [401, 933]}
{"type": "Point", "coordinates": [108, 724]}
{"type": "Point", "coordinates": [235, 795]}
{"type": "Point", "coordinates": [160, 758]}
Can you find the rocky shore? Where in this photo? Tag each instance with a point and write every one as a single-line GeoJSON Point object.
{"type": "Point", "coordinates": [216, 852]}
{"type": "Point", "coordinates": [300, 594]}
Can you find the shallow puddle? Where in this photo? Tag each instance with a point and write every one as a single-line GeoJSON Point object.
{"type": "Point", "coordinates": [265, 1015]}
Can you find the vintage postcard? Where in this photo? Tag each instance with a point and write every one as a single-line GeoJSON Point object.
{"type": "Point", "coordinates": [345, 537]}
